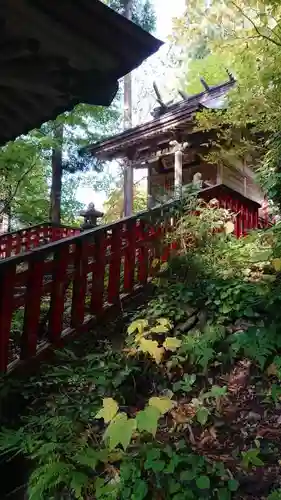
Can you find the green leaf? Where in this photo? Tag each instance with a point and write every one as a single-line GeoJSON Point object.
{"type": "Point", "coordinates": [187, 475]}
{"type": "Point", "coordinates": [140, 490]}
{"type": "Point", "coordinates": [261, 256]}
{"type": "Point", "coordinates": [147, 420]}
{"type": "Point", "coordinates": [120, 431]}
{"type": "Point", "coordinates": [109, 410]}
{"type": "Point", "coordinates": [233, 485]}
{"type": "Point", "coordinates": [172, 344]}
{"type": "Point", "coordinates": [88, 457]}
{"type": "Point", "coordinates": [162, 404]}
{"type": "Point", "coordinates": [224, 494]}
{"type": "Point", "coordinates": [202, 415]}
{"type": "Point", "coordinates": [250, 457]}
{"type": "Point", "coordinates": [203, 482]}
{"type": "Point", "coordinates": [78, 484]}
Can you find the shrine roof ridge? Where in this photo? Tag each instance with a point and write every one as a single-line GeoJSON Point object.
{"type": "Point", "coordinates": [182, 111]}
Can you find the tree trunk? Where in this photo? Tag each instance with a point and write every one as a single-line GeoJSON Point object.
{"type": "Point", "coordinates": [8, 210]}
{"type": "Point", "coordinates": [55, 206]}
{"type": "Point", "coordinates": [128, 171]}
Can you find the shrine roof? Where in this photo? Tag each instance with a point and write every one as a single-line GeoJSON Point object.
{"type": "Point", "coordinates": [162, 127]}
{"type": "Point", "coordinates": [55, 54]}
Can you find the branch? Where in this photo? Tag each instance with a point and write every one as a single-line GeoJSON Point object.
{"type": "Point", "coordinates": [268, 38]}
{"type": "Point", "coordinates": [12, 196]}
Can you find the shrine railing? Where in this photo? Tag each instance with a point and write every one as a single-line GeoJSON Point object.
{"type": "Point", "coordinates": [64, 286]}
{"type": "Point", "coordinates": [31, 237]}
{"type": "Point", "coordinates": [246, 210]}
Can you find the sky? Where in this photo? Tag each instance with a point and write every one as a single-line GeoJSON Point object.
{"type": "Point", "coordinates": [165, 11]}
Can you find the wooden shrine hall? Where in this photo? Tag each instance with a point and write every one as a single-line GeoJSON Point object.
{"type": "Point", "coordinates": [173, 150]}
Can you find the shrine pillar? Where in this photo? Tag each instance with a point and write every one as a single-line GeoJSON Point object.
{"type": "Point", "coordinates": [128, 189]}
{"type": "Point", "coordinates": [178, 151]}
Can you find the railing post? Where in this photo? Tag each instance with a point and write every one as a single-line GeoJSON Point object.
{"type": "Point", "coordinates": [130, 256]}
{"type": "Point", "coordinates": [61, 262]}
{"type": "Point", "coordinates": [97, 292]}
{"type": "Point", "coordinates": [7, 281]}
{"type": "Point", "coordinates": [115, 265]}
{"type": "Point", "coordinates": [79, 284]}
{"type": "Point", "coordinates": [32, 309]}
{"type": "Point", "coordinates": [142, 254]}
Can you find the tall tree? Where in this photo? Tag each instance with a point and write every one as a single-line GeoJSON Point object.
{"type": "Point", "coordinates": [245, 37]}
{"type": "Point", "coordinates": [142, 13]}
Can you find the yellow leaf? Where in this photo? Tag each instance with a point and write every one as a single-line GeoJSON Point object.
{"type": "Point", "coordinates": [162, 404]}
{"type": "Point", "coordinates": [164, 267]}
{"type": "Point", "coordinates": [152, 348]}
{"type": "Point", "coordinates": [164, 322]}
{"type": "Point", "coordinates": [108, 411]}
{"type": "Point", "coordinates": [172, 344]}
{"type": "Point", "coordinates": [272, 370]}
{"type": "Point", "coordinates": [159, 329]}
{"type": "Point", "coordinates": [229, 227]}
{"type": "Point", "coordinates": [139, 325]}
{"type": "Point", "coordinates": [155, 262]}
{"type": "Point", "coordinates": [277, 264]}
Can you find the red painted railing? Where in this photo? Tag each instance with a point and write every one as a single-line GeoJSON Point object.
{"type": "Point", "coordinates": [246, 210]}
{"type": "Point", "coordinates": [31, 237]}
{"type": "Point", "coordinates": [61, 288]}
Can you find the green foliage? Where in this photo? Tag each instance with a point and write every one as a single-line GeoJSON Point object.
{"type": "Point", "coordinates": [275, 495]}
{"type": "Point", "coordinates": [114, 204]}
{"type": "Point", "coordinates": [144, 423]}
{"type": "Point", "coordinates": [251, 458]}
{"type": "Point", "coordinates": [142, 12]}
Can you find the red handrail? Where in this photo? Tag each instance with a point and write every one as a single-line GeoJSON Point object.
{"type": "Point", "coordinates": [31, 237]}
{"type": "Point", "coordinates": [61, 287]}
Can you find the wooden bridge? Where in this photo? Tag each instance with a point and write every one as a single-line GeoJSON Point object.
{"type": "Point", "coordinates": [60, 288]}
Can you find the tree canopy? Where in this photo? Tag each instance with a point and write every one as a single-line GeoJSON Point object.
{"type": "Point", "coordinates": [243, 37]}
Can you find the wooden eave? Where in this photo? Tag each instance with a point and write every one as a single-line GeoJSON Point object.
{"type": "Point", "coordinates": [55, 54]}
{"type": "Point", "coordinates": [177, 122]}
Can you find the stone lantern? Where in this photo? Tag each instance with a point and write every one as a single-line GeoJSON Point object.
{"type": "Point", "coordinates": [90, 217]}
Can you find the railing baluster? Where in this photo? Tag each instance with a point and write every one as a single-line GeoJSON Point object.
{"type": "Point", "coordinates": [143, 254]}
{"type": "Point", "coordinates": [7, 281]}
{"type": "Point", "coordinates": [61, 263]}
{"type": "Point", "coordinates": [115, 265]}
{"type": "Point", "coordinates": [32, 308]}
{"type": "Point", "coordinates": [130, 257]}
{"type": "Point", "coordinates": [97, 292]}
{"type": "Point", "coordinates": [79, 284]}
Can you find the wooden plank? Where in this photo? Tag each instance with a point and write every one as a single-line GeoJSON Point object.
{"type": "Point", "coordinates": [115, 265]}
{"type": "Point", "coordinates": [32, 308]}
{"type": "Point", "coordinates": [59, 285]}
{"type": "Point", "coordinates": [97, 292]}
{"type": "Point", "coordinates": [7, 279]}
{"type": "Point", "coordinates": [79, 284]}
{"type": "Point", "coordinates": [130, 257]}
{"type": "Point", "coordinates": [142, 254]}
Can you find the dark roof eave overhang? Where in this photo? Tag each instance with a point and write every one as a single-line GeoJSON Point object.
{"type": "Point", "coordinates": [57, 54]}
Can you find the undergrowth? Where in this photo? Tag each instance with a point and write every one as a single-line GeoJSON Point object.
{"type": "Point", "coordinates": [190, 408]}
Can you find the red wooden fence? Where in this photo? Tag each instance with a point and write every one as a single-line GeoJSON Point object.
{"type": "Point", "coordinates": [60, 288]}
{"type": "Point", "coordinates": [31, 237]}
{"type": "Point", "coordinates": [246, 210]}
